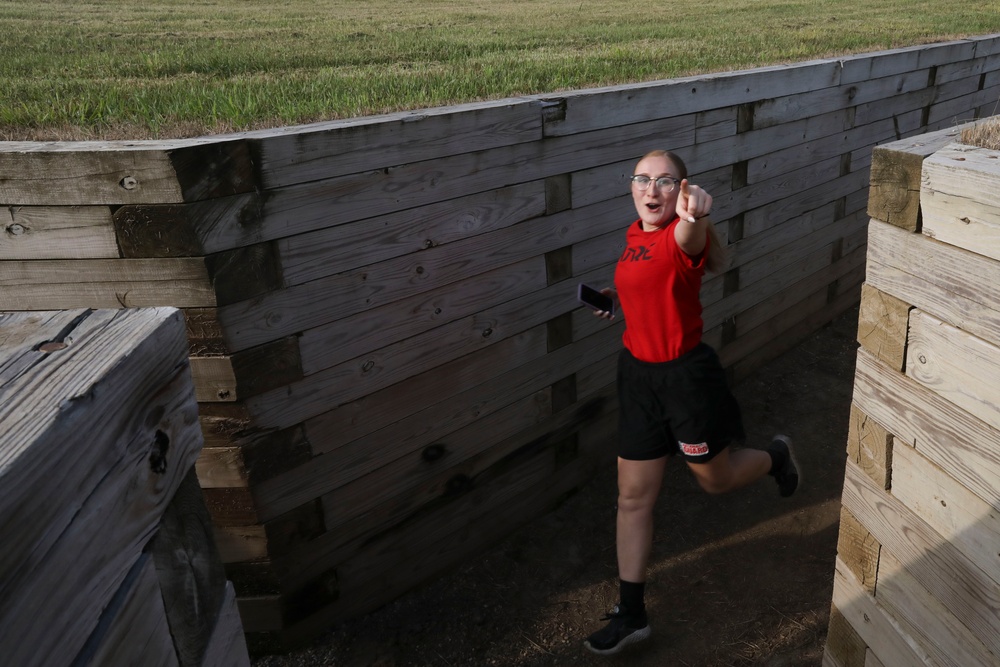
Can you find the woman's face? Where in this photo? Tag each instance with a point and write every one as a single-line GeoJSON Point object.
{"type": "Point", "coordinates": [655, 207]}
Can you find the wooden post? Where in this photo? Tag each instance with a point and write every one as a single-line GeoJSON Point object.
{"type": "Point", "coordinates": [97, 456]}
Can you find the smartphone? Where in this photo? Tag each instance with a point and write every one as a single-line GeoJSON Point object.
{"type": "Point", "coordinates": [593, 298]}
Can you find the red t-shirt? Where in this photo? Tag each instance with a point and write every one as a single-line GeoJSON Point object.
{"type": "Point", "coordinates": [658, 286]}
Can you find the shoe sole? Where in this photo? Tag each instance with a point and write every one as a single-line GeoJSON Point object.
{"type": "Point", "coordinates": [795, 461]}
{"type": "Point", "coordinates": [634, 638]}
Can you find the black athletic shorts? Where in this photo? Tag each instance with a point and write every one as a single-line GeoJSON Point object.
{"type": "Point", "coordinates": [682, 406]}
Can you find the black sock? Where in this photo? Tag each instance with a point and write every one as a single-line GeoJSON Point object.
{"type": "Point", "coordinates": [633, 597]}
{"type": "Point", "coordinates": [778, 458]}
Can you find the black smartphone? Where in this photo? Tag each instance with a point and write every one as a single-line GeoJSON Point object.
{"type": "Point", "coordinates": [593, 298]}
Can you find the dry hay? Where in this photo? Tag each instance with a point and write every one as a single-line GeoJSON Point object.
{"type": "Point", "coordinates": [984, 135]}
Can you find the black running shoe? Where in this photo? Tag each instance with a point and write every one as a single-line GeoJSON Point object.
{"type": "Point", "coordinates": [622, 630]}
{"type": "Point", "coordinates": [787, 476]}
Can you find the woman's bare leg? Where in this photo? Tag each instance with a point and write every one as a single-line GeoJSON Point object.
{"type": "Point", "coordinates": [638, 489]}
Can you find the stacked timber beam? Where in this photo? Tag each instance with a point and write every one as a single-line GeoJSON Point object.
{"type": "Point", "coordinates": [108, 557]}
{"type": "Point", "coordinates": [391, 367]}
{"type": "Point", "coordinates": [918, 567]}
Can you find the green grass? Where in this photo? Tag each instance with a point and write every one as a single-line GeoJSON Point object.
{"type": "Point", "coordinates": [169, 68]}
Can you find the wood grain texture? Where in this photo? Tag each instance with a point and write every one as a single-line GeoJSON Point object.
{"type": "Point", "coordinates": [951, 438]}
{"type": "Point", "coordinates": [75, 174]}
{"type": "Point", "coordinates": [945, 640]}
{"type": "Point", "coordinates": [104, 283]}
{"type": "Point", "coordinates": [317, 151]}
{"type": "Point", "coordinates": [882, 322]}
{"type": "Point", "coordinates": [959, 198]}
{"type": "Point", "coordinates": [858, 550]}
{"type": "Point", "coordinates": [878, 629]}
{"type": "Point", "coordinates": [956, 365]}
{"type": "Point", "coordinates": [125, 374]}
{"type": "Point", "coordinates": [844, 646]}
{"type": "Point", "coordinates": [895, 177]}
{"type": "Point", "coordinates": [869, 446]}
{"type": "Point", "coordinates": [957, 514]}
{"type": "Point", "coordinates": [936, 277]}
{"type": "Point", "coordinates": [964, 589]}
{"type": "Point", "coordinates": [227, 647]}
{"type": "Point", "coordinates": [192, 582]}
{"type": "Point", "coordinates": [57, 232]}
{"type": "Point", "coordinates": [133, 629]}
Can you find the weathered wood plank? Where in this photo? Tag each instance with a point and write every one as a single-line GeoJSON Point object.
{"type": "Point", "coordinates": [227, 647]}
{"type": "Point", "coordinates": [230, 222]}
{"type": "Point", "coordinates": [402, 486]}
{"type": "Point", "coordinates": [15, 273]}
{"type": "Point", "coordinates": [474, 298]}
{"type": "Point", "coordinates": [873, 623]}
{"type": "Point", "coordinates": [57, 232]}
{"type": "Point", "coordinates": [858, 550]}
{"type": "Point", "coordinates": [952, 439]}
{"type": "Point", "coordinates": [844, 646]}
{"type": "Point", "coordinates": [573, 437]}
{"type": "Point", "coordinates": [417, 413]}
{"type": "Point", "coordinates": [74, 174]}
{"type": "Point", "coordinates": [882, 323]}
{"type": "Point", "coordinates": [949, 576]}
{"type": "Point", "coordinates": [213, 379]}
{"type": "Point", "coordinates": [133, 628]}
{"type": "Point", "coordinates": [240, 544]}
{"type": "Point", "coordinates": [126, 372]}
{"type": "Point", "coordinates": [818, 265]}
{"type": "Point", "coordinates": [956, 102]}
{"type": "Point", "coordinates": [766, 351]}
{"type": "Point", "coordinates": [775, 190]}
{"type": "Point", "coordinates": [777, 110]}
{"type": "Point", "coordinates": [869, 446]}
{"type": "Point", "coordinates": [334, 386]}
{"type": "Point", "coordinates": [895, 177]}
{"type": "Point", "coordinates": [794, 205]}
{"type": "Point", "coordinates": [192, 583]}
{"type": "Point", "coordinates": [267, 366]}
{"type": "Point", "coordinates": [585, 111]}
{"type": "Point", "coordinates": [795, 247]}
{"type": "Point", "coordinates": [906, 109]}
{"type": "Point", "coordinates": [872, 660]}
{"type": "Point", "coordinates": [434, 541]}
{"type": "Point", "coordinates": [321, 150]}
{"type": "Point", "coordinates": [841, 139]}
{"type": "Point", "coordinates": [885, 63]}
{"type": "Point", "coordinates": [957, 514]}
{"type": "Point", "coordinates": [936, 277]}
{"type": "Point", "coordinates": [945, 640]}
{"type": "Point", "coordinates": [959, 198]}
{"type": "Point", "coordinates": [372, 503]}
{"type": "Point", "coordinates": [302, 307]}
{"type": "Point", "coordinates": [104, 283]}
{"type": "Point", "coordinates": [956, 365]}
{"type": "Point", "coordinates": [306, 257]}
{"type": "Point", "coordinates": [221, 467]}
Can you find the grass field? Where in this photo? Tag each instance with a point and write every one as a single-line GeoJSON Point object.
{"type": "Point", "coordinates": [96, 69]}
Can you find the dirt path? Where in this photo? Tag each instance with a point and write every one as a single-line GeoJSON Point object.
{"type": "Point", "coordinates": [740, 579]}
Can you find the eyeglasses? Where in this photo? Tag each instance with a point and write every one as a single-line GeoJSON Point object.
{"type": "Point", "coordinates": [664, 183]}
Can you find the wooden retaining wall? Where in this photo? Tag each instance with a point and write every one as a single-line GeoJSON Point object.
{"type": "Point", "coordinates": [391, 366]}
{"type": "Point", "coordinates": [108, 554]}
{"type": "Point", "coordinates": [918, 567]}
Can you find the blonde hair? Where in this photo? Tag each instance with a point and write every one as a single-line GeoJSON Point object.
{"type": "Point", "coordinates": [716, 256]}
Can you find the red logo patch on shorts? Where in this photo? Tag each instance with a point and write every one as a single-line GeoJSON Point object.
{"type": "Point", "coordinates": [694, 449]}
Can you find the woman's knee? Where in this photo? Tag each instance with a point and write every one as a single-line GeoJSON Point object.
{"type": "Point", "coordinates": [637, 497]}
{"type": "Point", "coordinates": [639, 484]}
